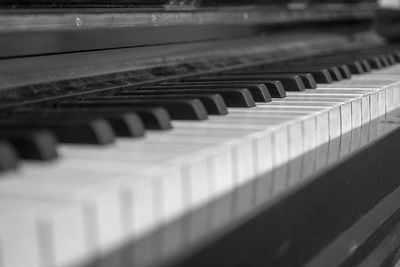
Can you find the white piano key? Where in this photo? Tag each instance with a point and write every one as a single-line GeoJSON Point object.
{"type": "Point", "coordinates": [346, 117]}
{"type": "Point", "coordinates": [335, 124]}
{"type": "Point", "coordinates": [356, 113]}
{"type": "Point", "coordinates": [262, 147]}
{"type": "Point", "coordinates": [101, 212]}
{"type": "Point", "coordinates": [18, 235]}
{"type": "Point", "coordinates": [222, 166]}
{"type": "Point", "coordinates": [222, 185]}
{"type": "Point", "coordinates": [101, 206]}
{"type": "Point", "coordinates": [196, 182]}
{"type": "Point", "coordinates": [280, 151]}
{"type": "Point", "coordinates": [322, 125]}
{"type": "Point", "coordinates": [295, 140]}
{"type": "Point", "coordinates": [243, 172]}
{"type": "Point", "coordinates": [396, 96]}
{"type": "Point", "coordinates": [381, 103]}
{"type": "Point", "coordinates": [310, 142]}
{"type": "Point", "coordinates": [47, 234]}
{"type": "Point", "coordinates": [374, 105]}
{"type": "Point", "coordinates": [265, 166]}
{"type": "Point", "coordinates": [365, 109]}
{"type": "Point", "coordinates": [295, 151]}
{"type": "Point", "coordinates": [61, 237]}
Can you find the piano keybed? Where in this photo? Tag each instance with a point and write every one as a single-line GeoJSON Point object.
{"type": "Point", "coordinates": [135, 159]}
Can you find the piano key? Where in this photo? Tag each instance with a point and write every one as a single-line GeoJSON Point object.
{"type": "Point", "coordinates": [366, 65]}
{"type": "Point", "coordinates": [8, 156]}
{"type": "Point", "coordinates": [384, 60]}
{"type": "Point", "coordinates": [197, 180]}
{"type": "Point", "coordinates": [44, 233]}
{"type": "Point", "coordinates": [290, 83]}
{"type": "Point", "coordinates": [37, 145]}
{"type": "Point", "coordinates": [179, 109]}
{"type": "Point", "coordinates": [100, 206]}
{"type": "Point", "coordinates": [214, 103]}
{"type": "Point", "coordinates": [91, 131]}
{"type": "Point", "coordinates": [259, 92]}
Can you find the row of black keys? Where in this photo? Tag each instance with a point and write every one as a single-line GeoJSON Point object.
{"type": "Point", "coordinates": [33, 133]}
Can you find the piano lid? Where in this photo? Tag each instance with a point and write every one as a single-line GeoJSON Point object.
{"type": "Point", "coordinates": [155, 3]}
{"type": "Point", "coordinates": [38, 27]}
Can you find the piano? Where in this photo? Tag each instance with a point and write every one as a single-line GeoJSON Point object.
{"type": "Point", "coordinates": [197, 133]}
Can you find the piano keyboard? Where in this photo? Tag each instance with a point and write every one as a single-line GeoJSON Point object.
{"type": "Point", "coordinates": [77, 201]}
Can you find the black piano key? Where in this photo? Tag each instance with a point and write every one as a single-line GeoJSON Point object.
{"type": "Point", "coordinates": [259, 92]}
{"type": "Point", "coordinates": [391, 59]}
{"type": "Point", "coordinates": [375, 63]}
{"type": "Point", "coordinates": [396, 55]}
{"type": "Point", "coordinates": [154, 118]}
{"type": "Point", "coordinates": [179, 109]}
{"type": "Point", "coordinates": [214, 103]}
{"type": "Point", "coordinates": [290, 82]}
{"type": "Point", "coordinates": [384, 60]}
{"type": "Point", "coordinates": [8, 156]}
{"type": "Point", "coordinates": [356, 67]}
{"type": "Point", "coordinates": [33, 145]}
{"type": "Point", "coordinates": [72, 130]}
{"type": "Point", "coordinates": [366, 65]}
{"type": "Point", "coordinates": [233, 97]}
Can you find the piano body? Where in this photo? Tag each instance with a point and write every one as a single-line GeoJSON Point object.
{"type": "Point", "coordinates": [197, 133]}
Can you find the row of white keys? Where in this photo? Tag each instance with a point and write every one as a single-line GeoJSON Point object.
{"type": "Point", "coordinates": [94, 162]}
{"type": "Point", "coordinates": [203, 160]}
